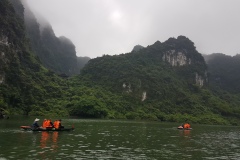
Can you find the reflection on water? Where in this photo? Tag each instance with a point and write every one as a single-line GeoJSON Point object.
{"type": "Point", "coordinates": [49, 139]}
{"type": "Point", "coordinates": [48, 144]}
{"type": "Point", "coordinates": [44, 138]}
{"type": "Point", "coordinates": [122, 140]}
{"type": "Point", "coordinates": [185, 133]}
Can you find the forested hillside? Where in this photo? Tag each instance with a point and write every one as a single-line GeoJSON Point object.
{"type": "Point", "coordinates": [166, 81]}
{"type": "Point", "coordinates": [26, 87]}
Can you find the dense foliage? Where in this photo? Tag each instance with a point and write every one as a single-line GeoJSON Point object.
{"type": "Point", "coordinates": [170, 91]}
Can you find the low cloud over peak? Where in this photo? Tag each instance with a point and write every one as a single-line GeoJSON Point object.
{"type": "Point", "coordinates": [116, 26]}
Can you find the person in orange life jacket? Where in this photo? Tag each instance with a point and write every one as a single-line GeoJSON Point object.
{"type": "Point", "coordinates": [47, 123]}
{"type": "Point", "coordinates": [50, 124]}
{"type": "Point", "coordinates": [57, 124]}
{"type": "Point", "coordinates": [186, 125]}
{"type": "Point", "coordinates": [44, 124]}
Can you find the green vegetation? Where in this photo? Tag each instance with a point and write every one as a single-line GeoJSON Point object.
{"type": "Point", "coordinates": [143, 84]}
{"type": "Point", "coordinates": [26, 85]}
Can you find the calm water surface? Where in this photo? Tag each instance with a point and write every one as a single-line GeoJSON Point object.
{"type": "Point", "coordinates": [123, 140]}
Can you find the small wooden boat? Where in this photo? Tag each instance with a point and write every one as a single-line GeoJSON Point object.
{"type": "Point", "coordinates": [28, 128]}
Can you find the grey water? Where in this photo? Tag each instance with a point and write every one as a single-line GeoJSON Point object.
{"type": "Point", "coordinates": [118, 139]}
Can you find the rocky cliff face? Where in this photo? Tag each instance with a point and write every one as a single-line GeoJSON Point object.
{"type": "Point", "coordinates": [199, 80]}
{"type": "Point", "coordinates": [183, 54]}
{"type": "Point", "coordinates": [176, 58]}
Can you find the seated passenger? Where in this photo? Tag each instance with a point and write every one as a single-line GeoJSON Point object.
{"type": "Point", "coordinates": [186, 126]}
{"type": "Point", "coordinates": [49, 124]}
{"type": "Point", "coordinates": [44, 124]}
{"type": "Point", "coordinates": [57, 124]}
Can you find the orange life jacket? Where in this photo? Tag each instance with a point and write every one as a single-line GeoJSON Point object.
{"type": "Point", "coordinates": [56, 124]}
{"type": "Point", "coordinates": [44, 124]}
{"type": "Point", "coordinates": [48, 123]}
{"type": "Point", "coordinates": [186, 125]}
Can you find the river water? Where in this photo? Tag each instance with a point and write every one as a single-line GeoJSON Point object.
{"type": "Point", "coordinates": [117, 139]}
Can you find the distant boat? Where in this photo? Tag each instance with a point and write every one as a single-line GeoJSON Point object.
{"type": "Point", "coordinates": [181, 127]}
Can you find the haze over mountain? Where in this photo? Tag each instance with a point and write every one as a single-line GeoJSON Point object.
{"type": "Point", "coordinates": [224, 71]}
{"type": "Point", "coordinates": [99, 27]}
{"type": "Point", "coordinates": [56, 53]}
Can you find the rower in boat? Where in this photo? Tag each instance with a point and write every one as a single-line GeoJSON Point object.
{"type": "Point", "coordinates": [35, 124]}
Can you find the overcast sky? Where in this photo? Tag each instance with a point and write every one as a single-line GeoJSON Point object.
{"type": "Point", "coordinates": [98, 27]}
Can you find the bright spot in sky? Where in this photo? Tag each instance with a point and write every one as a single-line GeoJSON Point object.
{"type": "Point", "coordinates": [118, 20]}
{"type": "Point", "coordinates": [116, 16]}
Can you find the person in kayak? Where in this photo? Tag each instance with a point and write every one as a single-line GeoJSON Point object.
{"type": "Point", "coordinates": [186, 126]}
{"type": "Point", "coordinates": [44, 124]}
{"type": "Point", "coordinates": [47, 123]}
{"type": "Point", "coordinates": [57, 124]}
{"type": "Point", "coordinates": [35, 124]}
